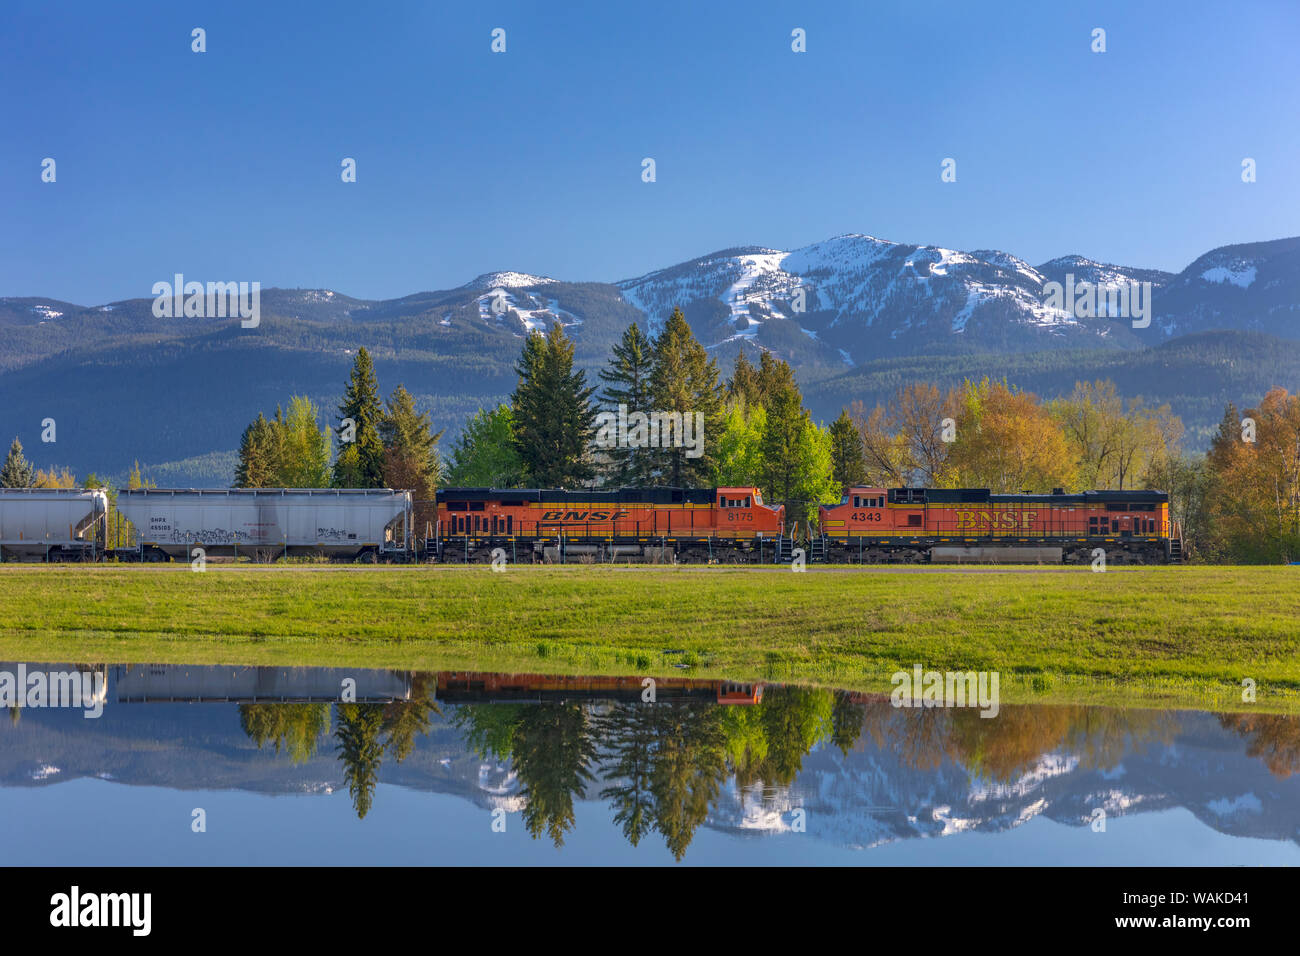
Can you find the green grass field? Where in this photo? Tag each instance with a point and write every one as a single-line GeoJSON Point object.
{"type": "Point", "coordinates": [1149, 636]}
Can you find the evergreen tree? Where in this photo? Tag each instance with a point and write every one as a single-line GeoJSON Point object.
{"type": "Point", "coordinates": [361, 462]}
{"type": "Point", "coordinates": [411, 454]}
{"type": "Point", "coordinates": [847, 463]}
{"type": "Point", "coordinates": [552, 411]}
{"type": "Point", "coordinates": [744, 385]}
{"type": "Point", "coordinates": [627, 383]}
{"type": "Point", "coordinates": [17, 471]}
{"type": "Point", "coordinates": [774, 377]}
{"type": "Point", "coordinates": [781, 434]}
{"type": "Point", "coordinates": [255, 468]}
{"type": "Point", "coordinates": [410, 446]}
{"type": "Point", "coordinates": [484, 455]}
{"type": "Point", "coordinates": [685, 380]}
{"type": "Point", "coordinates": [796, 456]}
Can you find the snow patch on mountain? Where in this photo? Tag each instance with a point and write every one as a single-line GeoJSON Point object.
{"type": "Point", "coordinates": [1241, 276]}
{"type": "Point", "coordinates": [1244, 803]}
{"type": "Point", "coordinates": [507, 280]}
{"type": "Point", "coordinates": [537, 314]}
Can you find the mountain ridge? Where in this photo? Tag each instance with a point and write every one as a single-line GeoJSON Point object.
{"type": "Point", "coordinates": [870, 306]}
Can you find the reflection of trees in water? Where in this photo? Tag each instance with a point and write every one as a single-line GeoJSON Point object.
{"type": "Point", "coordinates": [366, 732]}
{"type": "Point", "coordinates": [363, 732]}
{"type": "Point", "coordinates": [1272, 738]}
{"type": "Point", "coordinates": [552, 747]}
{"type": "Point", "coordinates": [667, 764]}
{"type": "Point", "coordinates": [768, 741]}
{"type": "Point", "coordinates": [295, 728]}
{"type": "Point", "coordinates": [549, 747]}
{"type": "Point", "coordinates": [1004, 747]}
{"type": "Point", "coordinates": [360, 751]}
{"type": "Point", "coordinates": [664, 763]}
{"type": "Point", "coordinates": [629, 734]}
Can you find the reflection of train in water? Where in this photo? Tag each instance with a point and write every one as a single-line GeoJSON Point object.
{"type": "Point", "coordinates": [172, 683]}
{"type": "Point", "coordinates": [670, 525]}
{"type": "Point", "coordinates": [457, 686]}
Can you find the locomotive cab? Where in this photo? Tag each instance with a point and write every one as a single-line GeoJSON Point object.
{"type": "Point", "coordinates": [742, 510]}
{"type": "Point", "coordinates": [861, 510]}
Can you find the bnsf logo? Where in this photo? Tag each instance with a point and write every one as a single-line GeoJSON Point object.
{"type": "Point", "coordinates": [584, 515]}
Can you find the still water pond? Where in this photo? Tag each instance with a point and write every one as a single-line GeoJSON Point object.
{"type": "Point", "coordinates": [428, 768]}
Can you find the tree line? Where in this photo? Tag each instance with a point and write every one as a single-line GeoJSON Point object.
{"type": "Point", "coordinates": [756, 430]}
{"type": "Point", "coordinates": [1240, 502]}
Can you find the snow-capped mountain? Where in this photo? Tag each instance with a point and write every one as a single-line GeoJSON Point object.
{"type": "Point", "coordinates": [865, 297]}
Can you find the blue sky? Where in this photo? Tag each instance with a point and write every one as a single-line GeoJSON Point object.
{"type": "Point", "coordinates": [225, 165]}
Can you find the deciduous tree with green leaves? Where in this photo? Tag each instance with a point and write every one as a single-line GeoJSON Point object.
{"type": "Point", "coordinates": [484, 455]}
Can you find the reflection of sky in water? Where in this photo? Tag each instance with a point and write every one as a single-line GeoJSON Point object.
{"type": "Point", "coordinates": [912, 787]}
{"type": "Point", "coordinates": [92, 822]}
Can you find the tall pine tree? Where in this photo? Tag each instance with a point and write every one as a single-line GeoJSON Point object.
{"type": "Point", "coordinates": [627, 383]}
{"type": "Point", "coordinates": [685, 380]}
{"type": "Point", "coordinates": [255, 468]}
{"type": "Point", "coordinates": [554, 420]}
{"type": "Point", "coordinates": [847, 463]}
{"type": "Point", "coordinates": [361, 461]}
{"type": "Point", "coordinates": [744, 385]}
{"type": "Point", "coordinates": [411, 454]}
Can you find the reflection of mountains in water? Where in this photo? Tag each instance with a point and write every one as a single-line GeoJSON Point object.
{"type": "Point", "coordinates": [870, 796]}
{"type": "Point", "coordinates": [908, 773]}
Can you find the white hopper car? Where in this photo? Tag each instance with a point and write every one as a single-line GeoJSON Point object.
{"type": "Point", "coordinates": [52, 524]}
{"type": "Point", "coordinates": [270, 522]}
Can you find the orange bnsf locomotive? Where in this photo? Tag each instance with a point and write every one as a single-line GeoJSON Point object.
{"type": "Point", "coordinates": [631, 524]}
{"type": "Point", "coordinates": [872, 525]}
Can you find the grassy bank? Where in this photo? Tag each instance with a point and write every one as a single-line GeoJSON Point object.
{"type": "Point", "coordinates": [1177, 636]}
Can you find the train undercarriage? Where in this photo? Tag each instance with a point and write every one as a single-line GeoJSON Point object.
{"type": "Point", "coordinates": [557, 550]}
{"type": "Point", "coordinates": [1125, 551]}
